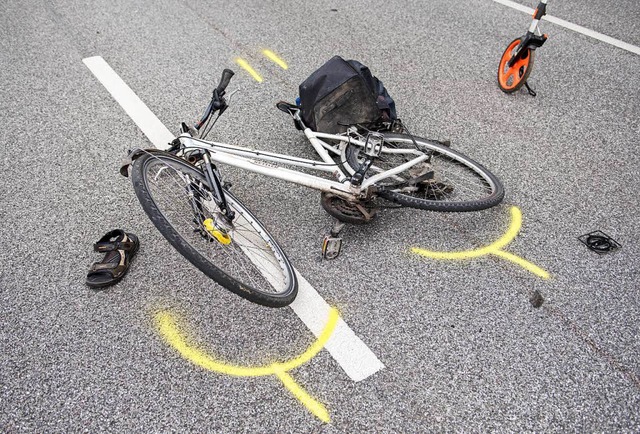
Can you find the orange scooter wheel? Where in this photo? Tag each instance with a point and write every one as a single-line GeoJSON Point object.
{"type": "Point", "coordinates": [512, 79]}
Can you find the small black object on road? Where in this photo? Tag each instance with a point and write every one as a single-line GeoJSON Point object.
{"type": "Point", "coordinates": [599, 242]}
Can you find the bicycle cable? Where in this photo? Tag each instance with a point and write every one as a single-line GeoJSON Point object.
{"type": "Point", "coordinates": [415, 144]}
{"type": "Point", "coordinates": [219, 111]}
{"type": "Point", "coordinates": [206, 124]}
{"type": "Point", "coordinates": [207, 131]}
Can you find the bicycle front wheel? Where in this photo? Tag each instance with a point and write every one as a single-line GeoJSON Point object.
{"type": "Point", "coordinates": [244, 258]}
{"type": "Point", "coordinates": [448, 181]}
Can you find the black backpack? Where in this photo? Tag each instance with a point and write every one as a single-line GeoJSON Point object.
{"type": "Point", "coordinates": [342, 93]}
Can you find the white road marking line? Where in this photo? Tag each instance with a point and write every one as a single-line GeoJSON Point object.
{"type": "Point", "coordinates": [576, 28]}
{"type": "Point", "coordinates": [355, 358]}
{"type": "Point", "coordinates": [138, 111]}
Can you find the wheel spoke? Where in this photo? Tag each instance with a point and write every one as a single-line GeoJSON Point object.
{"type": "Point", "coordinates": [251, 258]}
{"type": "Point", "coordinates": [448, 177]}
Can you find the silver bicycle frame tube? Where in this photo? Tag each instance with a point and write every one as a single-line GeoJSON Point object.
{"type": "Point", "coordinates": [342, 189]}
{"type": "Point", "coordinates": [391, 172]}
{"type": "Point", "coordinates": [257, 161]}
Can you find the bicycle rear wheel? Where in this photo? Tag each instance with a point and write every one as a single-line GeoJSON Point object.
{"type": "Point", "coordinates": [245, 259]}
{"type": "Point", "coordinates": [448, 181]}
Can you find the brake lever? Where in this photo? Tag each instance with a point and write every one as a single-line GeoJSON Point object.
{"type": "Point", "coordinates": [231, 95]}
{"type": "Point", "coordinates": [222, 104]}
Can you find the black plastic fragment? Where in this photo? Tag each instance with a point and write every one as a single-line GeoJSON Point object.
{"type": "Point", "coordinates": [599, 242]}
{"type": "Point", "coordinates": [536, 299]}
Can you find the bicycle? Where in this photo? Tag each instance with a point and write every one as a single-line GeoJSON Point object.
{"type": "Point", "coordinates": [182, 192]}
{"type": "Point", "coordinates": [516, 62]}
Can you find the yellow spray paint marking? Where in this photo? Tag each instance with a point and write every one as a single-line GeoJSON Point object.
{"type": "Point", "coordinates": [275, 59]}
{"type": "Point", "coordinates": [492, 249]}
{"type": "Point", "coordinates": [245, 65]}
{"type": "Point", "coordinates": [168, 328]}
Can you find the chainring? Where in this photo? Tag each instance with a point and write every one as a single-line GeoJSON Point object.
{"type": "Point", "coordinates": [357, 213]}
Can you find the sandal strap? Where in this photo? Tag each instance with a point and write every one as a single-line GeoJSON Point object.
{"type": "Point", "coordinates": [113, 267]}
{"type": "Point", "coordinates": [105, 244]}
{"type": "Point", "coordinates": [115, 245]}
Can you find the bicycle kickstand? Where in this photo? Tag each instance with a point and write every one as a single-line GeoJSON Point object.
{"type": "Point", "coordinates": [332, 243]}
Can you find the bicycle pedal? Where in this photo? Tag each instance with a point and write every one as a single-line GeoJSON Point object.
{"type": "Point", "coordinates": [331, 247]}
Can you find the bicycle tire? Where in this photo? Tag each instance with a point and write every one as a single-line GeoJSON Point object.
{"type": "Point", "coordinates": [512, 79]}
{"type": "Point", "coordinates": [252, 252]}
{"type": "Point", "coordinates": [477, 188]}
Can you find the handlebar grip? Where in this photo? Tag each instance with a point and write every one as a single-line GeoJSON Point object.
{"type": "Point", "coordinates": [224, 81]}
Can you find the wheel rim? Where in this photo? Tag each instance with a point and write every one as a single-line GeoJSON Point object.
{"type": "Point", "coordinates": [250, 258]}
{"type": "Point", "coordinates": [453, 178]}
{"type": "Point", "coordinates": [513, 77]}
{"type": "Point", "coordinates": [453, 181]}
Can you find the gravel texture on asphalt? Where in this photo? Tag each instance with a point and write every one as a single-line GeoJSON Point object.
{"type": "Point", "coordinates": [463, 347]}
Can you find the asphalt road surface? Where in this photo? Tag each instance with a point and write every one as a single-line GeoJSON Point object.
{"type": "Point", "coordinates": [458, 344]}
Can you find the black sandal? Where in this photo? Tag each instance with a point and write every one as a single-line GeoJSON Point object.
{"type": "Point", "coordinates": [120, 248]}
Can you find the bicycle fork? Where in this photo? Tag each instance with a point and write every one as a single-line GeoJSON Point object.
{"type": "Point", "coordinates": [220, 226]}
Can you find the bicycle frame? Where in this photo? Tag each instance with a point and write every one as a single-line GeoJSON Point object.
{"type": "Point", "coordinates": [263, 163]}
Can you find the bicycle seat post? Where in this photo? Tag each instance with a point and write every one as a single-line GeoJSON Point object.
{"type": "Point", "coordinates": [372, 150]}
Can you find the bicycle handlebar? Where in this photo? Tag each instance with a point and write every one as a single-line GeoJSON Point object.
{"type": "Point", "coordinates": [224, 81]}
{"type": "Point", "coordinates": [217, 99]}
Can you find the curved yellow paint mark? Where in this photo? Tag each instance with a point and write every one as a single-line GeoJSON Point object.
{"type": "Point", "coordinates": [301, 395]}
{"type": "Point", "coordinates": [494, 248]}
{"type": "Point", "coordinates": [245, 65]}
{"type": "Point", "coordinates": [516, 224]}
{"type": "Point", "coordinates": [168, 328]}
{"type": "Point", "coordinates": [275, 59]}
{"type": "Point", "coordinates": [523, 263]}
